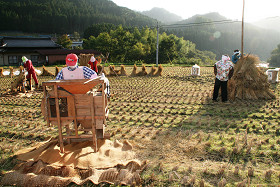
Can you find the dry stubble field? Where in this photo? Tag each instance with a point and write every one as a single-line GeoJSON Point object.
{"type": "Point", "coordinates": [172, 123]}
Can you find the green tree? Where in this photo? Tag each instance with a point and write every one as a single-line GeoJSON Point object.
{"type": "Point", "coordinates": [167, 49]}
{"type": "Point", "coordinates": [64, 41]}
{"type": "Point", "coordinates": [274, 60]}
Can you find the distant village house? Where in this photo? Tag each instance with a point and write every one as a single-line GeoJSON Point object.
{"type": "Point", "coordinates": [41, 51]}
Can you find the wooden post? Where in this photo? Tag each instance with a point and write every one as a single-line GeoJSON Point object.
{"type": "Point", "coordinates": [58, 120]}
{"type": "Point", "coordinates": [242, 28]}
{"type": "Point", "coordinates": [93, 123]}
{"type": "Point", "coordinates": [46, 105]}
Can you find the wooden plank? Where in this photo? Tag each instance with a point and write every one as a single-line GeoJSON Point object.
{"type": "Point", "coordinates": [94, 139]}
{"type": "Point", "coordinates": [88, 136]}
{"type": "Point", "coordinates": [58, 120]}
{"type": "Point", "coordinates": [98, 117]}
{"type": "Point", "coordinates": [83, 112]}
{"type": "Point", "coordinates": [71, 106]}
{"type": "Point", "coordinates": [100, 133]}
{"type": "Point", "coordinates": [68, 131]}
{"type": "Point", "coordinates": [46, 105]}
{"type": "Point", "coordinates": [103, 100]}
{"type": "Point", "coordinates": [76, 86]}
{"type": "Point", "coordinates": [99, 124]}
{"type": "Point", "coordinates": [75, 116]}
{"type": "Point", "coordinates": [71, 82]}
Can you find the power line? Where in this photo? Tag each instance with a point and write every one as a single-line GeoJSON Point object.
{"type": "Point", "coordinates": [198, 24]}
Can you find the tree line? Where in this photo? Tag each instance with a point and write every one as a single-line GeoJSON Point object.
{"type": "Point", "coordinates": [129, 45]}
{"type": "Point", "coordinates": [64, 16]}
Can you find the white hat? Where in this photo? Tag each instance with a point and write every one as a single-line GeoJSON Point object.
{"type": "Point", "coordinates": [92, 59]}
{"type": "Point", "coordinates": [225, 58]}
{"type": "Point", "coordinates": [24, 59]}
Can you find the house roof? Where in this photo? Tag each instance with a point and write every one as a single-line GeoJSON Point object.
{"type": "Point", "coordinates": [67, 51]}
{"type": "Point", "coordinates": [28, 42]}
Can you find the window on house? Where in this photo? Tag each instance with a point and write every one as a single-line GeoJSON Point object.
{"type": "Point", "coordinates": [14, 60]}
{"type": "Point", "coordinates": [35, 59]}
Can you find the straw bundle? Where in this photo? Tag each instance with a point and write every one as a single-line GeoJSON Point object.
{"type": "Point", "coordinates": [18, 83]}
{"type": "Point", "coordinates": [46, 72]}
{"type": "Point", "coordinates": [21, 68]}
{"type": "Point", "coordinates": [248, 81]}
{"type": "Point", "coordinates": [1, 72]}
{"type": "Point", "coordinates": [11, 71]}
{"type": "Point", "coordinates": [113, 71]}
{"type": "Point", "coordinates": [159, 71]}
{"type": "Point", "coordinates": [143, 72]}
{"type": "Point", "coordinates": [123, 71]}
{"type": "Point", "coordinates": [101, 69]}
{"type": "Point", "coordinates": [84, 59]}
{"type": "Point", "coordinates": [134, 71]}
{"type": "Point", "coordinates": [56, 70]}
{"type": "Point", "coordinates": [153, 71]}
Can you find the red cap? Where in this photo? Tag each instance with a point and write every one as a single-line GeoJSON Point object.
{"type": "Point", "coordinates": [71, 59]}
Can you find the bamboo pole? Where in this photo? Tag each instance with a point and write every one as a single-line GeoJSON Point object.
{"type": "Point", "coordinates": [242, 35]}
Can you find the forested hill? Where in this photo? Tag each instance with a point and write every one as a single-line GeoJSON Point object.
{"type": "Point", "coordinates": [162, 15]}
{"type": "Point", "coordinates": [65, 16]}
{"type": "Point", "coordinates": [211, 32]}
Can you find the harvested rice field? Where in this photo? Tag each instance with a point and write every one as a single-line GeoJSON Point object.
{"type": "Point", "coordinates": [172, 123]}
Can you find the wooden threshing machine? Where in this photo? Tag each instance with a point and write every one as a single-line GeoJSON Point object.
{"type": "Point", "coordinates": [78, 108]}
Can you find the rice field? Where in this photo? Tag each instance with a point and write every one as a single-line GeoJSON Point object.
{"type": "Point", "coordinates": [173, 124]}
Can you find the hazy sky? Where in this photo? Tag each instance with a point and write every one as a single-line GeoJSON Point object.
{"type": "Point", "coordinates": [232, 9]}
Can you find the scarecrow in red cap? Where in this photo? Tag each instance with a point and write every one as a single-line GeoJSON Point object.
{"type": "Point", "coordinates": [73, 71]}
{"type": "Point", "coordinates": [27, 64]}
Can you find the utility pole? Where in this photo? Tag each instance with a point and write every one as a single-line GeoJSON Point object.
{"type": "Point", "coordinates": [157, 45]}
{"type": "Point", "coordinates": [242, 34]}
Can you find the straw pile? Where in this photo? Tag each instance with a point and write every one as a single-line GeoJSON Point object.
{"type": "Point", "coordinates": [46, 72]}
{"type": "Point", "coordinates": [153, 71]}
{"type": "Point", "coordinates": [248, 81]}
{"type": "Point", "coordinates": [113, 71]}
{"type": "Point", "coordinates": [101, 69]}
{"type": "Point", "coordinates": [159, 71]}
{"type": "Point", "coordinates": [21, 68]}
{"type": "Point", "coordinates": [18, 83]}
{"type": "Point", "coordinates": [56, 70]}
{"type": "Point", "coordinates": [1, 72]}
{"type": "Point", "coordinates": [43, 165]}
{"type": "Point", "coordinates": [123, 71]}
{"type": "Point", "coordinates": [134, 71]}
{"type": "Point", "coordinates": [84, 59]}
{"type": "Point", "coordinates": [143, 72]}
{"type": "Point", "coordinates": [11, 71]}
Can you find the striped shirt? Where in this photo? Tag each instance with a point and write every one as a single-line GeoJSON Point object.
{"type": "Point", "coordinates": [87, 73]}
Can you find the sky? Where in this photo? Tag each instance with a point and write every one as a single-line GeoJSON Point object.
{"type": "Point", "coordinates": [232, 9]}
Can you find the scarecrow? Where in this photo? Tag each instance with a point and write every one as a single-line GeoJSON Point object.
{"type": "Point", "coordinates": [93, 64]}
{"type": "Point", "coordinates": [236, 56]}
{"type": "Point", "coordinates": [73, 71]}
{"type": "Point", "coordinates": [27, 64]}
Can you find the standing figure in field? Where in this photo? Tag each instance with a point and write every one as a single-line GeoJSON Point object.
{"type": "Point", "coordinates": [236, 55]}
{"type": "Point", "coordinates": [93, 64]}
{"type": "Point", "coordinates": [27, 64]}
{"type": "Point", "coordinates": [223, 70]}
{"type": "Point", "coordinates": [73, 71]}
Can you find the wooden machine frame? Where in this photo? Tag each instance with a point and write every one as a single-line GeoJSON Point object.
{"type": "Point", "coordinates": [76, 103]}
